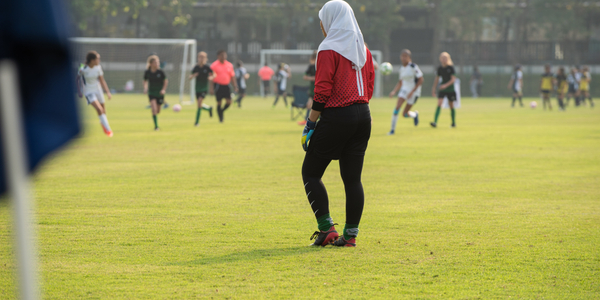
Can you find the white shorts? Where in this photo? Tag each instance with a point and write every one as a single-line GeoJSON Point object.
{"type": "Point", "coordinates": [404, 93]}
{"type": "Point", "coordinates": [94, 96]}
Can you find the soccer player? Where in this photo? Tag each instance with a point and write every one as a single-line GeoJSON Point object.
{"type": "Point", "coordinates": [241, 76]}
{"type": "Point", "coordinates": [223, 71]}
{"type": "Point", "coordinates": [203, 75]}
{"type": "Point", "coordinates": [476, 82]}
{"type": "Point", "coordinates": [446, 89]}
{"type": "Point", "coordinates": [584, 86]}
{"type": "Point", "coordinates": [283, 72]}
{"type": "Point", "coordinates": [266, 73]}
{"type": "Point", "coordinates": [92, 81]}
{"type": "Point", "coordinates": [546, 86]}
{"type": "Point", "coordinates": [155, 85]}
{"type": "Point", "coordinates": [516, 85]}
{"type": "Point", "coordinates": [573, 86]}
{"type": "Point", "coordinates": [343, 87]}
{"type": "Point", "coordinates": [561, 87]}
{"type": "Point", "coordinates": [409, 85]}
{"type": "Point", "coordinates": [309, 76]}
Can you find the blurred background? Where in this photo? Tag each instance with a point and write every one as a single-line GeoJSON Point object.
{"type": "Point", "coordinates": [493, 35]}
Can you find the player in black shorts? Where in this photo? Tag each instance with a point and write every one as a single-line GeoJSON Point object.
{"type": "Point", "coordinates": [155, 85]}
{"type": "Point", "coordinates": [241, 75]}
{"type": "Point", "coordinates": [446, 88]}
{"type": "Point", "coordinates": [203, 75]}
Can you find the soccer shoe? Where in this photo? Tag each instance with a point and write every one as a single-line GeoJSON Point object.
{"type": "Point", "coordinates": [416, 119]}
{"type": "Point", "coordinates": [109, 133]}
{"type": "Point", "coordinates": [342, 242]}
{"type": "Point", "coordinates": [156, 129]}
{"type": "Point", "coordinates": [302, 123]}
{"type": "Point", "coordinates": [210, 111]}
{"type": "Point", "coordinates": [197, 124]}
{"type": "Point", "coordinates": [391, 132]}
{"type": "Point", "coordinates": [166, 105]}
{"type": "Point", "coordinates": [453, 125]}
{"type": "Point", "coordinates": [324, 238]}
{"type": "Point", "coordinates": [433, 124]}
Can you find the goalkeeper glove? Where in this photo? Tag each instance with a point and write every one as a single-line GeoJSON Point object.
{"type": "Point", "coordinates": [309, 129]}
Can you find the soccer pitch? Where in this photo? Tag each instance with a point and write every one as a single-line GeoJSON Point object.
{"type": "Point", "coordinates": [505, 205]}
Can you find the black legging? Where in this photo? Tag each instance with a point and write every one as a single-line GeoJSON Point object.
{"type": "Point", "coordinates": [351, 166]}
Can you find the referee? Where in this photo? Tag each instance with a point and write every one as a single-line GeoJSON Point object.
{"type": "Point", "coordinates": [343, 87]}
{"type": "Point", "coordinates": [223, 74]}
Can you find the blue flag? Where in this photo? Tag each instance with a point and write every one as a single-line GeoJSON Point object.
{"type": "Point", "coordinates": [34, 34]}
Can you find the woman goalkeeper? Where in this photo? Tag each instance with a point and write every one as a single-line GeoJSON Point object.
{"type": "Point", "coordinates": [343, 87]}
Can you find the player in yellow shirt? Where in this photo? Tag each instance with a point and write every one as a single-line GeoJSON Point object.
{"type": "Point", "coordinates": [547, 86]}
{"type": "Point", "coordinates": [562, 87]}
{"type": "Point", "coordinates": [584, 86]}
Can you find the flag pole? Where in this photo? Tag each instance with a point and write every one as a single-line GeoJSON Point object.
{"type": "Point", "coordinates": [17, 180]}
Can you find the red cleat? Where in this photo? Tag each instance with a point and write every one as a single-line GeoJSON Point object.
{"type": "Point", "coordinates": [324, 238]}
{"type": "Point", "coordinates": [302, 123]}
{"type": "Point", "coordinates": [342, 242]}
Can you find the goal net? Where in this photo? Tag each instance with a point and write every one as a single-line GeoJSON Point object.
{"type": "Point", "coordinates": [124, 62]}
{"type": "Point", "coordinates": [300, 57]}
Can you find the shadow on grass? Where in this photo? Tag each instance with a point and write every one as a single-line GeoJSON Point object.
{"type": "Point", "coordinates": [252, 255]}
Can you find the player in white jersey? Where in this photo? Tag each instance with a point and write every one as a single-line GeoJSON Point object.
{"type": "Point", "coordinates": [91, 82]}
{"type": "Point", "coordinates": [516, 85]}
{"type": "Point", "coordinates": [409, 85]}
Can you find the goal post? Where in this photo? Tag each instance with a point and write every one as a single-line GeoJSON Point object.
{"type": "Point", "coordinates": [265, 57]}
{"type": "Point", "coordinates": [123, 61]}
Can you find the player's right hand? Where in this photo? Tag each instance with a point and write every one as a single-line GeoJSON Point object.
{"type": "Point", "coordinates": [309, 129]}
{"type": "Point", "coordinates": [392, 94]}
{"type": "Point", "coordinates": [109, 95]}
{"type": "Point", "coordinates": [433, 94]}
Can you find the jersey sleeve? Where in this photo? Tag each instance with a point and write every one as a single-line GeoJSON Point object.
{"type": "Point", "coordinates": [519, 75]}
{"type": "Point", "coordinates": [163, 74]}
{"type": "Point", "coordinates": [439, 72]}
{"type": "Point", "coordinates": [418, 73]}
{"type": "Point", "coordinates": [146, 75]}
{"type": "Point", "coordinates": [452, 72]}
{"type": "Point", "coordinates": [196, 69]}
{"type": "Point", "coordinates": [100, 72]}
{"type": "Point", "coordinates": [326, 67]}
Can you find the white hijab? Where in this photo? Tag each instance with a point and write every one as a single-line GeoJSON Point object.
{"type": "Point", "coordinates": [343, 34]}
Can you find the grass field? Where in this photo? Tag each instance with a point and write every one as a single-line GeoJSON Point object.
{"type": "Point", "coordinates": [507, 205]}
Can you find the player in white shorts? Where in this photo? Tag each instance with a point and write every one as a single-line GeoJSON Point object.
{"type": "Point", "coordinates": [411, 80]}
{"type": "Point", "coordinates": [90, 82]}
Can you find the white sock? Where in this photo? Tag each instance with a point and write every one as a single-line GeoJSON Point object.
{"type": "Point", "coordinates": [394, 121]}
{"type": "Point", "coordinates": [412, 114]}
{"type": "Point", "coordinates": [205, 106]}
{"type": "Point", "coordinates": [104, 122]}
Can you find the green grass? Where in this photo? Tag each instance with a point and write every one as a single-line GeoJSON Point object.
{"type": "Point", "coordinates": [505, 205]}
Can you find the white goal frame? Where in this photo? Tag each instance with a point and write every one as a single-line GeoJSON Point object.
{"type": "Point", "coordinates": [377, 56]}
{"type": "Point", "coordinates": [190, 47]}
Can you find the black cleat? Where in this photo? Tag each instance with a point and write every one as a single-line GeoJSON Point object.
{"type": "Point", "coordinates": [433, 124]}
{"type": "Point", "coordinates": [324, 238]}
{"type": "Point", "coordinates": [453, 125]}
{"type": "Point", "coordinates": [342, 242]}
{"type": "Point", "coordinates": [210, 111]}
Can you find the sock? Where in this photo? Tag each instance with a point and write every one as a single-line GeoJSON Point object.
{"type": "Point", "coordinates": [104, 122]}
{"type": "Point", "coordinates": [411, 114]}
{"type": "Point", "coordinates": [276, 99]}
{"type": "Point", "coordinates": [155, 121]}
{"type": "Point", "coordinates": [437, 113]}
{"type": "Point", "coordinates": [394, 119]}
{"type": "Point", "coordinates": [198, 115]}
{"type": "Point", "coordinates": [226, 106]}
{"type": "Point", "coordinates": [285, 100]}
{"type": "Point", "coordinates": [514, 100]}
{"type": "Point", "coordinates": [239, 100]}
{"type": "Point", "coordinates": [350, 231]}
{"type": "Point", "coordinates": [453, 114]}
{"type": "Point", "coordinates": [206, 106]}
{"type": "Point", "coordinates": [325, 222]}
{"type": "Point", "coordinates": [521, 100]}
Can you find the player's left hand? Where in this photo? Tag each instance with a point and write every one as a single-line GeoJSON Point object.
{"type": "Point", "coordinates": [109, 95]}
{"type": "Point", "coordinates": [409, 96]}
{"type": "Point", "coordinates": [309, 129]}
{"type": "Point", "coordinates": [162, 92]}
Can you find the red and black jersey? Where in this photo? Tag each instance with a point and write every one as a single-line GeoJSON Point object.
{"type": "Point", "coordinates": [339, 83]}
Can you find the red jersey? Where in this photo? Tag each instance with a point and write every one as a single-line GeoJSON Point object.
{"type": "Point", "coordinates": [339, 84]}
{"type": "Point", "coordinates": [224, 71]}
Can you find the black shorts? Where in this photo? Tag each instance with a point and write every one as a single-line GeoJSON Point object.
{"type": "Point", "coordinates": [222, 92]}
{"type": "Point", "coordinates": [266, 84]}
{"type": "Point", "coordinates": [160, 100]}
{"type": "Point", "coordinates": [451, 95]}
{"type": "Point", "coordinates": [546, 93]}
{"type": "Point", "coordinates": [280, 92]}
{"type": "Point", "coordinates": [342, 131]}
{"type": "Point", "coordinates": [201, 95]}
{"type": "Point", "coordinates": [572, 89]}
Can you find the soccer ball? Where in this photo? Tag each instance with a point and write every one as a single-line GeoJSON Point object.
{"type": "Point", "coordinates": [386, 68]}
{"type": "Point", "coordinates": [176, 108]}
{"type": "Point", "coordinates": [533, 104]}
